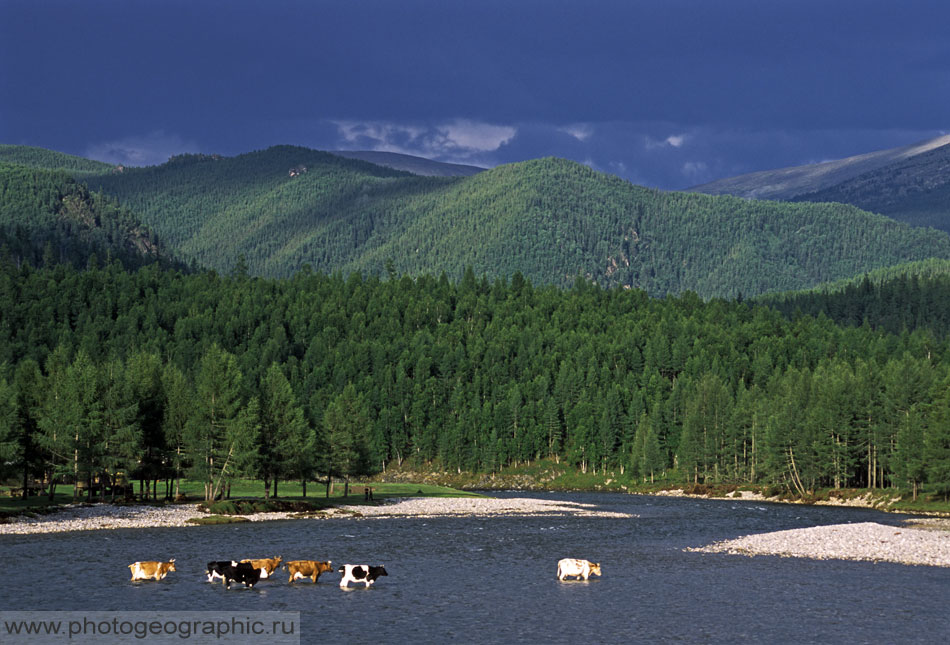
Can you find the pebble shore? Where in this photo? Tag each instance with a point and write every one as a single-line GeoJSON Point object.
{"type": "Point", "coordinates": [481, 506]}
{"type": "Point", "coordinates": [920, 542]}
{"type": "Point", "coordinates": [928, 545]}
{"type": "Point", "coordinates": [88, 517]}
{"type": "Point", "coordinates": [83, 517]}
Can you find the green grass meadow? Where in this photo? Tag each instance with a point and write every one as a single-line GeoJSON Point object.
{"type": "Point", "coordinates": [250, 490]}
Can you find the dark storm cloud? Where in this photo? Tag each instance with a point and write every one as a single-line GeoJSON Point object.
{"type": "Point", "coordinates": [665, 92]}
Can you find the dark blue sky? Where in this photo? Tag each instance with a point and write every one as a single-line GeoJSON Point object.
{"type": "Point", "coordinates": [666, 93]}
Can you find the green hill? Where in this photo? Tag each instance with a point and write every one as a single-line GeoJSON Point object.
{"type": "Point", "coordinates": [552, 220]}
{"type": "Point", "coordinates": [279, 208]}
{"type": "Point", "coordinates": [46, 217]}
{"type": "Point", "coordinates": [410, 163]}
{"type": "Point", "coordinates": [908, 296]}
{"type": "Point", "coordinates": [52, 160]}
{"type": "Point", "coordinates": [549, 219]}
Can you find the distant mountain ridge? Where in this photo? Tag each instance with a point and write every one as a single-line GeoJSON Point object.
{"type": "Point", "coordinates": [914, 190]}
{"type": "Point", "coordinates": [791, 182]}
{"type": "Point", "coordinates": [409, 163]}
{"type": "Point", "coordinates": [549, 219]}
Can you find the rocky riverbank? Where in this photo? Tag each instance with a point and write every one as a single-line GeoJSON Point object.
{"type": "Point", "coordinates": [919, 542]}
{"type": "Point", "coordinates": [547, 475]}
{"type": "Point", "coordinates": [857, 501]}
{"type": "Point", "coordinates": [927, 545]}
{"type": "Point", "coordinates": [481, 506]}
{"type": "Point", "coordinates": [87, 517]}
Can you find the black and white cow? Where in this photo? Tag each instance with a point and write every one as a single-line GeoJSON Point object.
{"type": "Point", "coordinates": [216, 569]}
{"type": "Point", "coordinates": [360, 573]}
{"type": "Point", "coordinates": [241, 572]}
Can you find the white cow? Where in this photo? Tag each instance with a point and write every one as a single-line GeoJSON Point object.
{"type": "Point", "coordinates": [574, 567]}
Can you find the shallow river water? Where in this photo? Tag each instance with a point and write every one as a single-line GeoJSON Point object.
{"type": "Point", "coordinates": [492, 580]}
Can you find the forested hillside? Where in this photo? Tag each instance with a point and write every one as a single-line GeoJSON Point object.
{"type": "Point", "coordinates": [46, 218]}
{"type": "Point", "coordinates": [51, 160]}
{"type": "Point", "coordinates": [279, 208]}
{"type": "Point", "coordinates": [902, 297]}
{"type": "Point", "coordinates": [562, 219]}
{"type": "Point", "coordinates": [159, 374]}
{"type": "Point", "coordinates": [409, 163]}
{"type": "Point", "coordinates": [549, 219]}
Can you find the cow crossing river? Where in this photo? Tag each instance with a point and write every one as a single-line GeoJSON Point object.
{"type": "Point", "coordinates": [483, 579]}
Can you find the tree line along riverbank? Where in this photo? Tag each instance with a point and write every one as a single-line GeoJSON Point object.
{"type": "Point", "coordinates": [160, 375]}
{"type": "Point", "coordinates": [247, 496]}
{"type": "Point", "coordinates": [549, 475]}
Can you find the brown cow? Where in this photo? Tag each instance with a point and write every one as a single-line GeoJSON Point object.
{"type": "Point", "coordinates": [266, 565]}
{"type": "Point", "coordinates": [151, 569]}
{"type": "Point", "coordinates": [312, 569]}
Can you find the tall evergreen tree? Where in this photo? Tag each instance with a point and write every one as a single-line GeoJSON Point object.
{"type": "Point", "coordinates": [346, 421]}
{"type": "Point", "coordinates": [937, 443]}
{"type": "Point", "coordinates": [178, 406]}
{"type": "Point", "coordinates": [284, 432]}
{"type": "Point", "coordinates": [910, 464]}
{"type": "Point", "coordinates": [54, 415]}
{"type": "Point", "coordinates": [29, 392]}
{"type": "Point", "coordinates": [652, 460]}
{"type": "Point", "coordinates": [8, 423]}
{"type": "Point", "coordinates": [121, 431]}
{"type": "Point", "coordinates": [144, 385]}
{"type": "Point", "coordinates": [220, 434]}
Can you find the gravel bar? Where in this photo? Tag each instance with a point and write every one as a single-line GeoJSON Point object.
{"type": "Point", "coordinates": [481, 506]}
{"type": "Point", "coordinates": [860, 541]}
{"type": "Point", "coordinates": [87, 517]}
{"type": "Point", "coordinates": [83, 517]}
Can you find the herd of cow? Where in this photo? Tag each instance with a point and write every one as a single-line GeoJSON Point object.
{"type": "Point", "coordinates": [250, 572]}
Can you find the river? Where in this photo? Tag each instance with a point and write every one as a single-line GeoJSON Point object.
{"type": "Point", "coordinates": [492, 580]}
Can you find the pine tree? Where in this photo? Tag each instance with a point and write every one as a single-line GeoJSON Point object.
{"type": "Point", "coordinates": [29, 393]}
{"type": "Point", "coordinates": [910, 465]}
{"type": "Point", "coordinates": [689, 455]}
{"type": "Point", "coordinates": [652, 460]}
{"type": "Point", "coordinates": [54, 415]}
{"type": "Point", "coordinates": [220, 432]}
{"type": "Point", "coordinates": [8, 423]}
{"type": "Point", "coordinates": [143, 372]}
{"type": "Point", "coordinates": [178, 406]}
{"type": "Point", "coordinates": [284, 432]}
{"type": "Point", "coordinates": [82, 423]}
{"type": "Point", "coordinates": [345, 421]}
{"type": "Point", "coordinates": [554, 428]}
{"type": "Point", "coordinates": [121, 432]}
{"type": "Point", "coordinates": [937, 445]}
